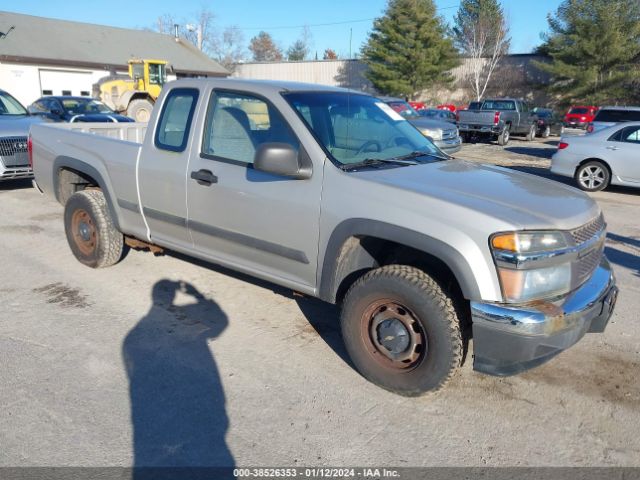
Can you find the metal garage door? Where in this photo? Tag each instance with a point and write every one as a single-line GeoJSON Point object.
{"type": "Point", "coordinates": [65, 82]}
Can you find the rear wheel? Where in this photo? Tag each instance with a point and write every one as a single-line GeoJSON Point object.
{"type": "Point", "coordinates": [504, 137]}
{"type": "Point", "coordinates": [593, 176]}
{"type": "Point", "coordinates": [92, 236]}
{"type": "Point", "coordinates": [140, 110]}
{"type": "Point", "coordinates": [546, 132]}
{"type": "Point", "coordinates": [401, 330]}
{"type": "Point", "coordinates": [531, 134]}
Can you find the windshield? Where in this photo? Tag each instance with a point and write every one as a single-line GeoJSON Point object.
{"type": "Point", "coordinates": [353, 127]}
{"type": "Point", "coordinates": [579, 111]}
{"type": "Point", "coordinates": [11, 106]}
{"type": "Point", "coordinates": [78, 106]}
{"type": "Point", "coordinates": [403, 108]}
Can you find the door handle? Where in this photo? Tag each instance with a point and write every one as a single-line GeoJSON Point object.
{"type": "Point", "coordinates": [612, 148]}
{"type": "Point", "coordinates": [204, 177]}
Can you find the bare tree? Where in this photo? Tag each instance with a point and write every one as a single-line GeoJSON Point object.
{"type": "Point", "coordinates": [481, 32]}
{"type": "Point", "coordinates": [228, 49]}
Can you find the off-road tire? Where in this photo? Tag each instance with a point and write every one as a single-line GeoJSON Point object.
{"type": "Point", "coordinates": [140, 110]}
{"type": "Point", "coordinates": [504, 137]}
{"type": "Point", "coordinates": [602, 180]}
{"type": "Point", "coordinates": [428, 304]}
{"type": "Point", "coordinates": [531, 134]}
{"type": "Point", "coordinates": [91, 233]}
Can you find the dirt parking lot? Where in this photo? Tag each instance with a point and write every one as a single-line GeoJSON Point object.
{"type": "Point", "coordinates": [112, 367]}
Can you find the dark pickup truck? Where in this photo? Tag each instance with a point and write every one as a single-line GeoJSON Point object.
{"type": "Point", "coordinates": [498, 119]}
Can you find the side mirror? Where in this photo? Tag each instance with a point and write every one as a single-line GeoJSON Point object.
{"type": "Point", "coordinates": [282, 159]}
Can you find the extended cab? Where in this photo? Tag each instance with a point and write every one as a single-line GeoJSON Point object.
{"type": "Point", "coordinates": [498, 119]}
{"type": "Point", "coordinates": [331, 193]}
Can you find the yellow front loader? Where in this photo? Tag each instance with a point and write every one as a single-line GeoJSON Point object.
{"type": "Point", "coordinates": [134, 95]}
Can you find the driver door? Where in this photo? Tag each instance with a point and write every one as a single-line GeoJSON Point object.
{"type": "Point", "coordinates": [264, 224]}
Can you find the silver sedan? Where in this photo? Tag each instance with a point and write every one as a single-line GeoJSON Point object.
{"type": "Point", "coordinates": [610, 156]}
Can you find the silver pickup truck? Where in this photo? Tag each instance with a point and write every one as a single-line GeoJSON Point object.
{"type": "Point", "coordinates": [332, 194]}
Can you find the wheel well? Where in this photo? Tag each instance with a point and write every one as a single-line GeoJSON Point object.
{"type": "Point", "coordinates": [71, 181]}
{"type": "Point", "coordinates": [599, 160]}
{"type": "Point", "coordinates": [360, 254]}
{"type": "Point", "coordinates": [141, 96]}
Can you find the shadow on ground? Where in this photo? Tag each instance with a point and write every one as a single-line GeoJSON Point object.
{"type": "Point", "coordinates": [20, 184]}
{"type": "Point", "coordinates": [620, 257]}
{"type": "Point", "coordinates": [178, 410]}
{"type": "Point", "coordinates": [322, 316]}
{"type": "Point", "coordinates": [539, 152]}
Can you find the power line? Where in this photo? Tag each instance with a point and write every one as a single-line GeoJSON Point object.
{"type": "Point", "coordinates": [344, 22]}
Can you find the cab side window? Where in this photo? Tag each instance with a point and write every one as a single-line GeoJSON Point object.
{"type": "Point", "coordinates": [238, 123]}
{"type": "Point", "coordinates": [631, 135]}
{"type": "Point", "coordinates": [173, 128]}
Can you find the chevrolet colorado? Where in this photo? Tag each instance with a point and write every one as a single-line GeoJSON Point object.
{"type": "Point", "coordinates": [330, 193]}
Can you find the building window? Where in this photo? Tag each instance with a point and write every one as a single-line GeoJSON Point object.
{"type": "Point", "coordinates": [66, 92]}
{"type": "Point", "coordinates": [47, 92]}
{"type": "Point", "coordinates": [84, 93]}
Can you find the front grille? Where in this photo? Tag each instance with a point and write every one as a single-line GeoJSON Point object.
{"type": "Point", "coordinates": [449, 134]}
{"type": "Point", "coordinates": [588, 263]}
{"type": "Point", "coordinates": [588, 231]}
{"type": "Point", "coordinates": [13, 151]}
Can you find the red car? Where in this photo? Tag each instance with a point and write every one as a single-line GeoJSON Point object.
{"type": "Point", "coordinates": [579, 116]}
{"type": "Point", "coordinates": [418, 105]}
{"type": "Point", "coordinates": [447, 106]}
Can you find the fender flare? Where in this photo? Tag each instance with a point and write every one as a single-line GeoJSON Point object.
{"type": "Point", "coordinates": [82, 167]}
{"type": "Point", "coordinates": [452, 258]}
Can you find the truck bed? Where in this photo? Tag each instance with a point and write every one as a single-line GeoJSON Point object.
{"type": "Point", "coordinates": [111, 150]}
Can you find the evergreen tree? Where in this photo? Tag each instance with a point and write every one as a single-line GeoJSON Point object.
{"type": "Point", "coordinates": [297, 51]}
{"type": "Point", "coordinates": [408, 49]}
{"type": "Point", "coordinates": [594, 47]}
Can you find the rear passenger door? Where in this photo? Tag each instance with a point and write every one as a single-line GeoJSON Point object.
{"type": "Point", "coordinates": [623, 153]}
{"type": "Point", "coordinates": [257, 222]}
{"type": "Point", "coordinates": [162, 169]}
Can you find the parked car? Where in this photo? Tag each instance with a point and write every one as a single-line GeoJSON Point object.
{"type": "Point", "coordinates": [75, 109]}
{"type": "Point", "coordinates": [580, 116]}
{"type": "Point", "coordinates": [15, 122]}
{"type": "Point", "coordinates": [444, 135]}
{"type": "Point", "coordinates": [606, 157]}
{"type": "Point", "coordinates": [447, 106]}
{"type": "Point", "coordinates": [436, 114]}
{"type": "Point", "coordinates": [498, 119]}
{"type": "Point", "coordinates": [548, 123]}
{"type": "Point", "coordinates": [340, 198]}
{"type": "Point", "coordinates": [418, 106]}
{"type": "Point", "coordinates": [608, 116]}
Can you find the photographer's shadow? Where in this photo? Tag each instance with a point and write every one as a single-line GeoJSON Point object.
{"type": "Point", "coordinates": [177, 400]}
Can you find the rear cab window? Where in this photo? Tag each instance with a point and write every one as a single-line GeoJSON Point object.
{"type": "Point", "coordinates": [617, 115]}
{"type": "Point", "coordinates": [172, 132]}
{"type": "Point", "coordinates": [504, 105]}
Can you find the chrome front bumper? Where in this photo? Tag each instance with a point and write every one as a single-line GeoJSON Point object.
{"type": "Point", "coordinates": [510, 339]}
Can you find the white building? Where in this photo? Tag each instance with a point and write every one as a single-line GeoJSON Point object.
{"type": "Point", "coordinates": [43, 56]}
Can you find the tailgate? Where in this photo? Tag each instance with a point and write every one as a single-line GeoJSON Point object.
{"type": "Point", "coordinates": [477, 117]}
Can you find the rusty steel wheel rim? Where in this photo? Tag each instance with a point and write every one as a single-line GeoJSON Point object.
{"type": "Point", "coordinates": [393, 336]}
{"type": "Point", "coordinates": [85, 234]}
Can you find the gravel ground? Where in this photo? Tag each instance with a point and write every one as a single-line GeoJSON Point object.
{"type": "Point", "coordinates": [156, 355]}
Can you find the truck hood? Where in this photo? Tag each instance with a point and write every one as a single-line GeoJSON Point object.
{"type": "Point", "coordinates": [523, 200]}
{"type": "Point", "coordinates": [16, 126]}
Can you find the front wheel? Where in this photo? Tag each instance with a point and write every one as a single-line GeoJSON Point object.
{"type": "Point", "coordinates": [92, 236]}
{"type": "Point", "coordinates": [140, 110]}
{"type": "Point", "coordinates": [593, 176]}
{"type": "Point", "coordinates": [546, 133]}
{"type": "Point", "coordinates": [401, 330]}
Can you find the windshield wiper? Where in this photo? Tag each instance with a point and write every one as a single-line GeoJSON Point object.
{"type": "Point", "coordinates": [418, 153]}
{"type": "Point", "coordinates": [367, 162]}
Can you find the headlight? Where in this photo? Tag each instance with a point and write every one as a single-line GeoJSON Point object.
{"type": "Point", "coordinates": [533, 265]}
{"type": "Point", "coordinates": [432, 134]}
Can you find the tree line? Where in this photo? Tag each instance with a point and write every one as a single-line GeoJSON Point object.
{"type": "Point", "coordinates": [592, 46]}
